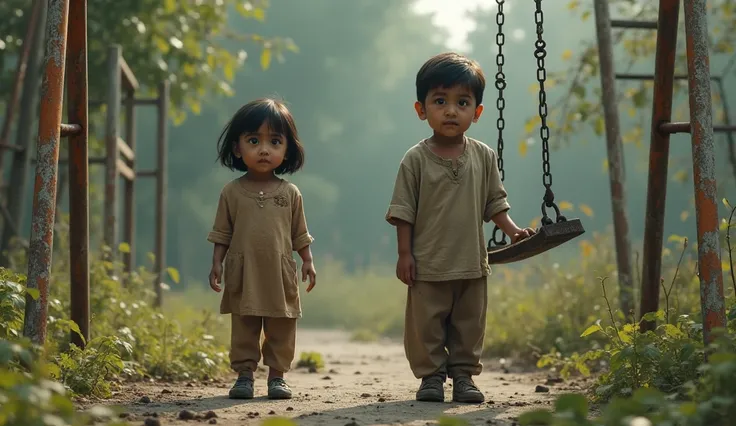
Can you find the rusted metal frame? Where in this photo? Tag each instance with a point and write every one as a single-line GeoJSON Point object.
{"type": "Point", "coordinates": [616, 169]}
{"type": "Point", "coordinates": [91, 160]}
{"type": "Point", "coordinates": [146, 173]}
{"type": "Point", "coordinates": [125, 150]}
{"type": "Point", "coordinates": [727, 119]}
{"type": "Point", "coordinates": [77, 92]}
{"type": "Point", "coordinates": [111, 146]}
{"type": "Point", "coordinates": [4, 146]}
{"type": "Point", "coordinates": [659, 149]}
{"type": "Point", "coordinates": [704, 169]}
{"type": "Point", "coordinates": [629, 24]}
{"type": "Point", "coordinates": [161, 189]}
{"type": "Point", "coordinates": [125, 171]}
{"type": "Point", "coordinates": [137, 101]}
{"type": "Point", "coordinates": [44, 194]}
{"type": "Point", "coordinates": [128, 78]}
{"type": "Point", "coordinates": [18, 182]}
{"type": "Point", "coordinates": [685, 127]}
{"type": "Point", "coordinates": [645, 77]}
{"type": "Point", "coordinates": [70, 129]}
{"type": "Point", "coordinates": [128, 151]}
{"type": "Point", "coordinates": [20, 74]}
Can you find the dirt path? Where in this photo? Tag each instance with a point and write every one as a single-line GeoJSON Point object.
{"type": "Point", "coordinates": [362, 384]}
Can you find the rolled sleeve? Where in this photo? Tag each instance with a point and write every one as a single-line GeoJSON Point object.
{"type": "Point", "coordinates": [403, 204]}
{"type": "Point", "coordinates": [222, 229]}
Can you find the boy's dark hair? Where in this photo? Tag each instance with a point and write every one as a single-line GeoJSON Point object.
{"type": "Point", "coordinates": [248, 119]}
{"type": "Point", "coordinates": [447, 70]}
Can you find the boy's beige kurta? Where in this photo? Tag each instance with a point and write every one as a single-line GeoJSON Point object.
{"type": "Point", "coordinates": [262, 230]}
{"type": "Point", "coordinates": [447, 201]}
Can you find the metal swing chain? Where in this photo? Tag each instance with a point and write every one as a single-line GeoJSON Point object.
{"type": "Point", "coordinates": [540, 53]}
{"type": "Point", "coordinates": [500, 105]}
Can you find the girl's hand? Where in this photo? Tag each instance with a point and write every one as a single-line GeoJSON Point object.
{"type": "Point", "coordinates": [406, 269]}
{"type": "Point", "coordinates": [522, 234]}
{"type": "Point", "coordinates": [216, 277]}
{"type": "Point", "coordinates": [309, 272]}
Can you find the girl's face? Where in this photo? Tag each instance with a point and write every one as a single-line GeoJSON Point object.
{"type": "Point", "coordinates": [262, 151]}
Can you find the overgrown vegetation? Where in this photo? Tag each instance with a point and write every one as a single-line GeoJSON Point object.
{"type": "Point", "coordinates": [130, 340]}
{"type": "Point", "coordinates": [667, 376]}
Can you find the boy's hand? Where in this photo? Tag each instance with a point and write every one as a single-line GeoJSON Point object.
{"type": "Point", "coordinates": [216, 277]}
{"type": "Point", "coordinates": [522, 234]}
{"type": "Point", "coordinates": [405, 269]}
{"type": "Point", "coordinates": [308, 271]}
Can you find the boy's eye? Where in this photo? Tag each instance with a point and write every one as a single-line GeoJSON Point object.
{"type": "Point", "coordinates": [464, 102]}
{"type": "Point", "coordinates": [253, 141]}
{"type": "Point", "coordinates": [439, 101]}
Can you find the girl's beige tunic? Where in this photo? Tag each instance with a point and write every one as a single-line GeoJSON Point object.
{"type": "Point", "coordinates": [262, 231]}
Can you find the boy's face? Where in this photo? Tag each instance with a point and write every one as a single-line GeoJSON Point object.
{"type": "Point", "coordinates": [449, 110]}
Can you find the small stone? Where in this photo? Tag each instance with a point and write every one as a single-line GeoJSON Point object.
{"type": "Point", "coordinates": [289, 408]}
{"type": "Point", "coordinates": [312, 369]}
{"type": "Point", "coordinates": [333, 371]}
{"type": "Point", "coordinates": [381, 399]}
{"type": "Point", "coordinates": [186, 415]}
{"type": "Point", "coordinates": [327, 378]}
{"type": "Point", "coordinates": [165, 391]}
{"type": "Point", "coordinates": [124, 415]}
{"type": "Point", "coordinates": [541, 388]}
{"type": "Point", "coordinates": [212, 421]}
{"type": "Point", "coordinates": [365, 395]}
{"type": "Point", "coordinates": [145, 400]}
{"type": "Point", "coordinates": [152, 421]}
{"type": "Point", "coordinates": [210, 415]}
{"type": "Point", "coordinates": [271, 412]}
{"type": "Point", "coordinates": [357, 373]}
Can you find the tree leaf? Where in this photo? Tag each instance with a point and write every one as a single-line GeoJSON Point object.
{"type": "Point", "coordinates": [124, 247]}
{"type": "Point", "coordinates": [592, 329]}
{"type": "Point", "coordinates": [265, 58]}
{"type": "Point", "coordinates": [33, 292]}
{"type": "Point", "coordinates": [586, 210]}
{"type": "Point", "coordinates": [173, 273]}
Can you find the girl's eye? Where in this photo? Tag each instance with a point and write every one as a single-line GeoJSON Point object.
{"type": "Point", "coordinates": [253, 141]}
{"type": "Point", "coordinates": [276, 141]}
{"type": "Point", "coordinates": [439, 101]}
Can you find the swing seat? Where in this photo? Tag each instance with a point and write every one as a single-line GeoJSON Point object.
{"type": "Point", "coordinates": [546, 238]}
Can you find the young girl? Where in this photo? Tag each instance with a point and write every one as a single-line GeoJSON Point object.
{"type": "Point", "coordinates": [259, 222]}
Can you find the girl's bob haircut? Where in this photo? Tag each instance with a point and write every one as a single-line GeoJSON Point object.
{"type": "Point", "coordinates": [248, 119]}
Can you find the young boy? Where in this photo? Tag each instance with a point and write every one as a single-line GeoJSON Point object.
{"type": "Point", "coordinates": [446, 187]}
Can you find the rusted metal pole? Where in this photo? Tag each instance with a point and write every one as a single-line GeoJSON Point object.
{"type": "Point", "coordinates": [659, 152]}
{"type": "Point", "coordinates": [129, 202]}
{"type": "Point", "coordinates": [161, 187]}
{"type": "Point", "coordinates": [77, 89]}
{"type": "Point", "coordinates": [111, 145]}
{"type": "Point", "coordinates": [44, 193]}
{"type": "Point", "coordinates": [18, 183]}
{"type": "Point", "coordinates": [616, 169]}
{"type": "Point", "coordinates": [704, 169]}
{"type": "Point", "coordinates": [20, 74]}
